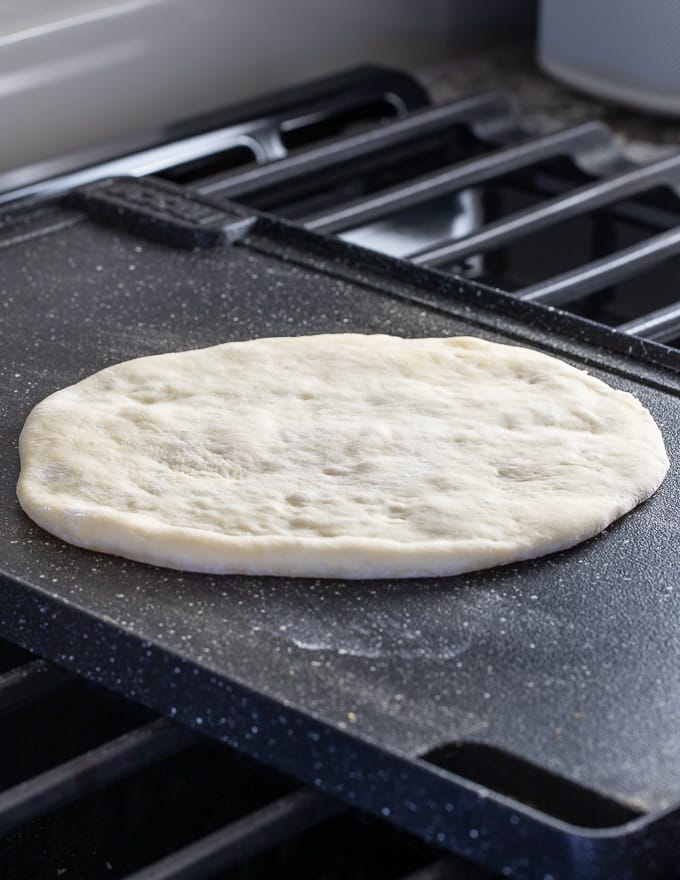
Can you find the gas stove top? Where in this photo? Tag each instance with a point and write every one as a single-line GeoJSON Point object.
{"type": "Point", "coordinates": [113, 790]}
{"type": "Point", "coordinates": [561, 222]}
{"type": "Point", "coordinates": [564, 219]}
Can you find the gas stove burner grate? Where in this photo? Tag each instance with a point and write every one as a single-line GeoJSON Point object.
{"type": "Point", "coordinates": [563, 219]}
{"type": "Point", "coordinates": [492, 205]}
{"type": "Point", "coordinates": [136, 797]}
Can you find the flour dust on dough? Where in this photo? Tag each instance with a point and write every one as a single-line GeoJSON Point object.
{"type": "Point", "coordinates": [349, 456]}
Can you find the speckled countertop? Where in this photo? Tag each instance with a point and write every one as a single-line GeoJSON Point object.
{"type": "Point", "coordinates": [545, 105]}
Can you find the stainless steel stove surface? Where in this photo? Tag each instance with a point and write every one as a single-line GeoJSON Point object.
{"type": "Point", "coordinates": [94, 786]}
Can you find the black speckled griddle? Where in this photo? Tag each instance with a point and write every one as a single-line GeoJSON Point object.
{"type": "Point", "coordinates": [570, 663]}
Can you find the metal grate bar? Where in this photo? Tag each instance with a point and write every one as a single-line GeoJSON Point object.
{"type": "Point", "coordinates": [91, 772]}
{"type": "Point", "coordinates": [661, 325]}
{"type": "Point", "coordinates": [315, 159]}
{"type": "Point", "coordinates": [601, 273]}
{"type": "Point", "coordinates": [457, 176]}
{"type": "Point", "coordinates": [518, 225]}
{"type": "Point", "coordinates": [30, 682]}
{"type": "Point", "coordinates": [255, 833]}
{"type": "Point", "coordinates": [144, 162]}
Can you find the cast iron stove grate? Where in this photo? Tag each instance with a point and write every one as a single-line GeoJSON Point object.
{"type": "Point", "coordinates": [93, 786]}
{"type": "Point", "coordinates": [564, 219]}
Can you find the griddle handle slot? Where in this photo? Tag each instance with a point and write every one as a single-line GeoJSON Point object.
{"type": "Point", "coordinates": [514, 777]}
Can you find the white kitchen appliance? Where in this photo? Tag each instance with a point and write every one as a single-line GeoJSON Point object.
{"type": "Point", "coordinates": [626, 51]}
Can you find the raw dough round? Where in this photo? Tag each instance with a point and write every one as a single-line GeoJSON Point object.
{"type": "Point", "coordinates": [343, 455]}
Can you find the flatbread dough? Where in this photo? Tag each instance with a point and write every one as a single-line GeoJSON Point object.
{"type": "Point", "coordinates": [343, 455]}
